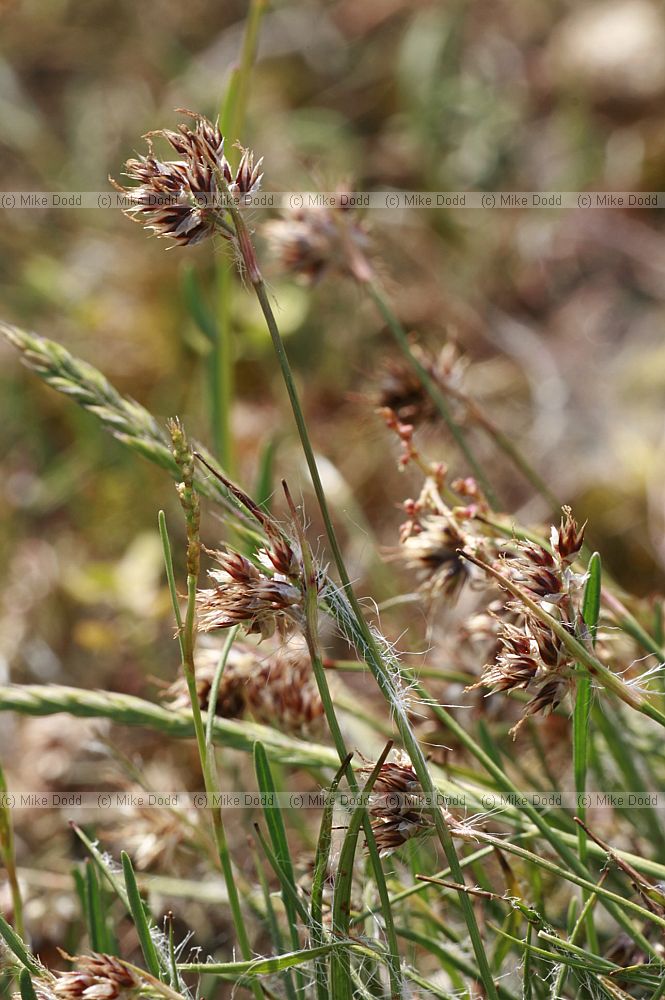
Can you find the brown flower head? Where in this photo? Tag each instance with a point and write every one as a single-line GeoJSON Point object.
{"type": "Point", "coordinates": [277, 689]}
{"type": "Point", "coordinates": [396, 808]}
{"type": "Point", "coordinates": [568, 539]}
{"type": "Point", "coordinates": [246, 595]}
{"type": "Point", "coordinates": [98, 977]}
{"type": "Point", "coordinates": [315, 241]}
{"type": "Point", "coordinates": [184, 199]}
{"type": "Point", "coordinates": [432, 549]}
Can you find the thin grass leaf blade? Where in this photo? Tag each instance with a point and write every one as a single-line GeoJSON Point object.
{"type": "Point", "coordinates": [137, 909]}
{"type": "Point", "coordinates": [25, 986]}
{"type": "Point", "coordinates": [18, 947]}
{"type": "Point", "coordinates": [262, 966]}
{"type": "Point", "coordinates": [340, 972]}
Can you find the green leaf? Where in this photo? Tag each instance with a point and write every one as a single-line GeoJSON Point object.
{"type": "Point", "coordinates": [321, 860]}
{"type": "Point", "coordinates": [279, 840]}
{"type": "Point", "coordinates": [138, 912]}
{"type": "Point", "coordinates": [94, 912]}
{"type": "Point", "coordinates": [18, 947]}
{"type": "Point", "coordinates": [591, 601]}
{"type": "Point", "coordinates": [263, 966]}
{"type": "Point", "coordinates": [340, 974]}
{"type": "Point", "coordinates": [25, 986]}
{"type": "Point", "coordinates": [582, 715]}
{"type": "Point", "coordinates": [264, 480]}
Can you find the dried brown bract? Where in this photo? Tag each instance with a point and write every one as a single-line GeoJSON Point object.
{"type": "Point", "coordinates": [184, 199]}
{"type": "Point", "coordinates": [433, 538]}
{"type": "Point", "coordinates": [400, 389]}
{"type": "Point", "coordinates": [529, 655]}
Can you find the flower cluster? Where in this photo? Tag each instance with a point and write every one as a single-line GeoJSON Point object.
{"type": "Point", "coordinates": [435, 535]}
{"type": "Point", "coordinates": [275, 689]}
{"type": "Point", "coordinates": [183, 199]}
{"type": "Point", "coordinates": [98, 977]}
{"type": "Point", "coordinates": [401, 391]}
{"type": "Point", "coordinates": [315, 241]}
{"type": "Point", "coordinates": [246, 594]}
{"type": "Point", "coordinates": [530, 656]}
{"type": "Point", "coordinates": [396, 809]}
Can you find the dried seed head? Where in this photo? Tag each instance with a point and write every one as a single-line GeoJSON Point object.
{"type": "Point", "coordinates": [315, 241]}
{"type": "Point", "coordinates": [396, 809]}
{"type": "Point", "coordinates": [276, 689]}
{"type": "Point", "coordinates": [433, 550]}
{"type": "Point", "coordinates": [529, 656]}
{"type": "Point", "coordinates": [401, 391]}
{"type": "Point", "coordinates": [245, 595]}
{"type": "Point", "coordinates": [98, 977]}
{"type": "Point", "coordinates": [184, 199]}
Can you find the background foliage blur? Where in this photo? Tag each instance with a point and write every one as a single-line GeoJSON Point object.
{"type": "Point", "coordinates": [561, 313]}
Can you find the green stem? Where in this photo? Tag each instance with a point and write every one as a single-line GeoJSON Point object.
{"type": "Point", "coordinates": [435, 394]}
{"type": "Point", "coordinates": [375, 661]}
{"type": "Point", "coordinates": [8, 855]}
{"type": "Point", "coordinates": [313, 646]}
{"type": "Point", "coordinates": [503, 442]}
{"type": "Point", "coordinates": [222, 359]}
{"type": "Point", "coordinates": [186, 639]}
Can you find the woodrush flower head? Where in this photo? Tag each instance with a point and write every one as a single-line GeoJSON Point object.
{"type": "Point", "coordinates": [277, 688]}
{"type": "Point", "coordinates": [317, 240]}
{"type": "Point", "coordinates": [401, 390]}
{"type": "Point", "coordinates": [433, 550]}
{"type": "Point", "coordinates": [435, 535]}
{"type": "Point", "coordinates": [184, 199]}
{"type": "Point", "coordinates": [396, 810]}
{"type": "Point", "coordinates": [98, 977]}
{"type": "Point", "coordinates": [530, 654]}
{"type": "Point", "coordinates": [246, 595]}
{"type": "Point", "coordinates": [530, 657]}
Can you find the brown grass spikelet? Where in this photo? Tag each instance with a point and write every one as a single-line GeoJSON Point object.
{"type": "Point", "coordinates": [314, 241]}
{"type": "Point", "coordinates": [529, 655]}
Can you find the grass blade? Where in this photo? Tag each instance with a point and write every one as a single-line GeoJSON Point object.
{"type": "Point", "coordinates": [340, 973]}
{"type": "Point", "coordinates": [138, 912]}
{"type": "Point", "coordinates": [277, 832]}
{"type": "Point", "coordinates": [18, 947]}
{"type": "Point", "coordinates": [581, 718]}
{"type": "Point", "coordinates": [25, 986]}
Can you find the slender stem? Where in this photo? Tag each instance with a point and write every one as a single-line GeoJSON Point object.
{"type": "Point", "coordinates": [8, 855]}
{"type": "Point", "coordinates": [374, 659]}
{"type": "Point", "coordinates": [435, 394]}
{"type": "Point", "coordinates": [504, 443]}
{"type": "Point", "coordinates": [186, 638]}
{"type": "Point", "coordinates": [314, 649]}
{"type": "Point", "coordinates": [583, 919]}
{"type": "Point", "coordinates": [214, 688]}
{"type": "Point", "coordinates": [222, 358]}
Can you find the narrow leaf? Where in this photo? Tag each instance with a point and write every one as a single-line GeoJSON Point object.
{"type": "Point", "coordinates": [139, 917]}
